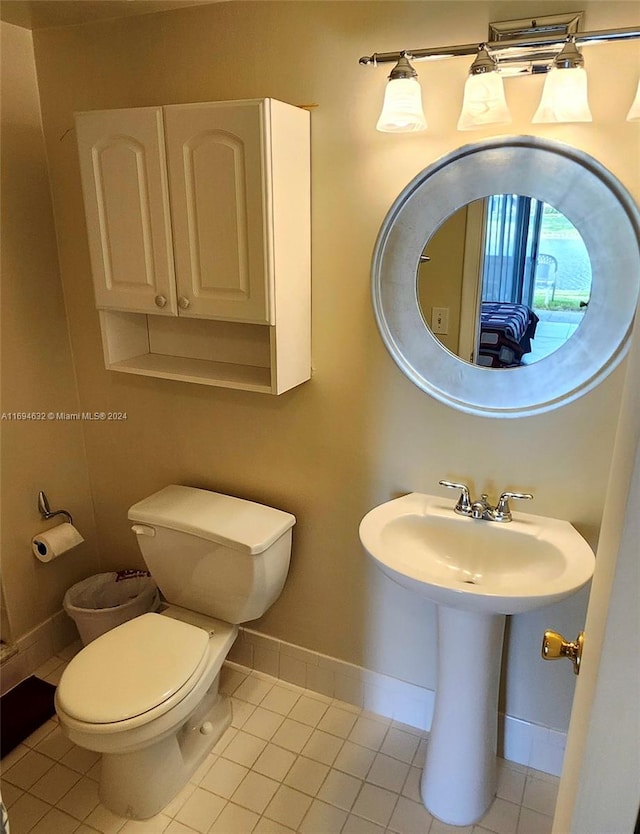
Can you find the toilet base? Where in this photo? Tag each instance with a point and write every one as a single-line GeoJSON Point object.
{"type": "Point", "coordinates": [140, 784]}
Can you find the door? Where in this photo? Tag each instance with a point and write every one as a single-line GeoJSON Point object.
{"type": "Point", "coordinates": [474, 243]}
{"type": "Point", "coordinates": [219, 184]}
{"type": "Point", "coordinates": [122, 165]}
{"type": "Point", "coordinates": [599, 790]}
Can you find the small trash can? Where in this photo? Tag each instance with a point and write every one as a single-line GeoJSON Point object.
{"type": "Point", "coordinates": [104, 601]}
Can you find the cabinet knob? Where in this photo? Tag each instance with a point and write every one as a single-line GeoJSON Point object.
{"type": "Point", "coordinates": [183, 302]}
{"type": "Point", "coordinates": [160, 300]}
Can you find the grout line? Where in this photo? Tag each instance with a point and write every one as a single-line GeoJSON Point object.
{"type": "Point", "coordinates": [260, 694]}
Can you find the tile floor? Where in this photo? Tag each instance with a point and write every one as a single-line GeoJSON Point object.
{"type": "Point", "coordinates": [292, 761]}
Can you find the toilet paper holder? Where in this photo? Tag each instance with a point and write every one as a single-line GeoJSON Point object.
{"type": "Point", "coordinates": [46, 511]}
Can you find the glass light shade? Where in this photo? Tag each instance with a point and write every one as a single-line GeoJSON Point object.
{"type": "Point", "coordinates": [484, 102]}
{"type": "Point", "coordinates": [564, 97]}
{"type": "Point", "coordinates": [402, 107]}
{"type": "Point", "coordinates": [634, 113]}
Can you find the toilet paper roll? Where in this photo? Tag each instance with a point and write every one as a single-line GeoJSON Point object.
{"type": "Point", "coordinates": [54, 542]}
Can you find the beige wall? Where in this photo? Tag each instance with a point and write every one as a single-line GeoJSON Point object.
{"type": "Point", "coordinates": [358, 432]}
{"type": "Point", "coordinates": [440, 279]}
{"type": "Point", "coordinates": [37, 367]}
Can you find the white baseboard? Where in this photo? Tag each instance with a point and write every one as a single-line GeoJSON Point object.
{"type": "Point", "coordinates": [519, 741]}
{"type": "Point", "coordinates": [36, 647]}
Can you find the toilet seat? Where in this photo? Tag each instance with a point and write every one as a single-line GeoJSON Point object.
{"type": "Point", "coordinates": [135, 672]}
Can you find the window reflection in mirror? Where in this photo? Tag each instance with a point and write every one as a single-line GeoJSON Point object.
{"type": "Point", "coordinates": [504, 281]}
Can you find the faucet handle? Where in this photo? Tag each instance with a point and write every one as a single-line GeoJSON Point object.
{"type": "Point", "coordinates": [464, 502]}
{"type": "Point", "coordinates": [502, 511]}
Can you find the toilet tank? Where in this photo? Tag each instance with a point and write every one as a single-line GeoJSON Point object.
{"type": "Point", "coordinates": [221, 556]}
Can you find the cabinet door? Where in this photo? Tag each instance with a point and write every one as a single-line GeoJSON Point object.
{"type": "Point", "coordinates": [219, 190]}
{"type": "Point", "coordinates": [123, 169]}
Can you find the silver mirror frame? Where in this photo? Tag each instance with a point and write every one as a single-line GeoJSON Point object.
{"type": "Point", "coordinates": [589, 196]}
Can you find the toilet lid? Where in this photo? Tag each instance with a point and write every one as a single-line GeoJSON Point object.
{"type": "Point", "coordinates": [131, 669]}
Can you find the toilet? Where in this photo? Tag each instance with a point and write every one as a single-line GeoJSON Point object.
{"type": "Point", "coordinates": [145, 694]}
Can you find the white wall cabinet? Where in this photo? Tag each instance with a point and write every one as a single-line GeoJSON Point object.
{"type": "Point", "coordinates": [198, 217]}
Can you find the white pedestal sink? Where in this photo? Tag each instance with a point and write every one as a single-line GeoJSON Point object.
{"type": "Point", "coordinates": [476, 572]}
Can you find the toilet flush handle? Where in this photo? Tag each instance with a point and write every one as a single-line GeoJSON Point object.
{"type": "Point", "coordinates": [143, 530]}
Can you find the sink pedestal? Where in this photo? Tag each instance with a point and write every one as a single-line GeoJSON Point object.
{"type": "Point", "coordinates": [459, 777]}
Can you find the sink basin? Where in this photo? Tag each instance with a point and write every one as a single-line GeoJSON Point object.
{"type": "Point", "coordinates": [484, 566]}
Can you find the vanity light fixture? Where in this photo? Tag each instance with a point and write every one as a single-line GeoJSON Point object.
{"type": "Point", "coordinates": [564, 95]}
{"type": "Point", "coordinates": [402, 107]}
{"type": "Point", "coordinates": [484, 102]}
{"type": "Point", "coordinates": [547, 44]}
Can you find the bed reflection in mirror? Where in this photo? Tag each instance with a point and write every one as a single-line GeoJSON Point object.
{"type": "Point", "coordinates": [504, 281]}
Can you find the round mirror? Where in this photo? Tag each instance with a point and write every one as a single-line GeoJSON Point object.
{"type": "Point", "coordinates": [504, 281]}
{"type": "Point", "coordinates": [471, 230]}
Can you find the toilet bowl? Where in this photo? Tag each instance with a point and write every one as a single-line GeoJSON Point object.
{"type": "Point", "coordinates": [145, 694]}
{"type": "Point", "coordinates": [128, 697]}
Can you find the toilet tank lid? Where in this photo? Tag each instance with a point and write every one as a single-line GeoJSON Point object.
{"type": "Point", "coordinates": [234, 522]}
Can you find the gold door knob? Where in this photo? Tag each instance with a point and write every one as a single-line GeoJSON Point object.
{"type": "Point", "coordinates": [554, 647]}
{"type": "Point", "coordinates": [161, 300]}
{"type": "Point", "coordinates": [184, 303]}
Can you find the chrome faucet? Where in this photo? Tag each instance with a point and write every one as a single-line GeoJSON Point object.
{"type": "Point", "coordinates": [481, 509]}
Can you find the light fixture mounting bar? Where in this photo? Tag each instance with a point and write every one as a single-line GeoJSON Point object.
{"type": "Point", "coordinates": [526, 27]}
{"type": "Point", "coordinates": [496, 48]}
